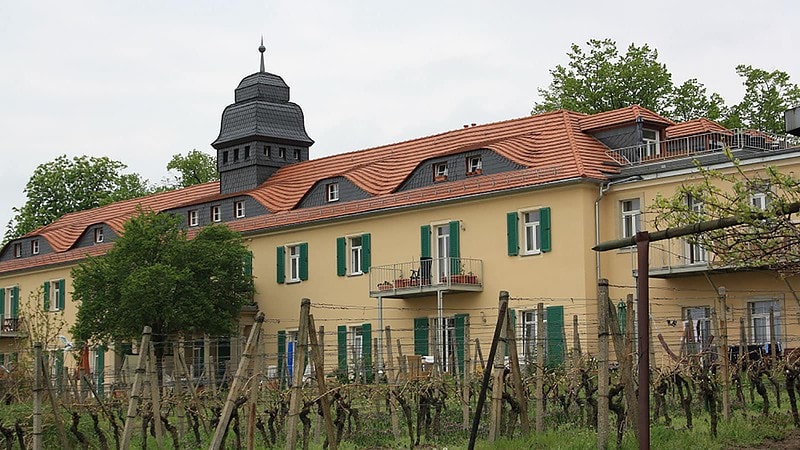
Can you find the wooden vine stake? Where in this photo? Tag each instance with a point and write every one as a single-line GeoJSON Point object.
{"type": "Point", "coordinates": [723, 328]}
{"type": "Point", "coordinates": [319, 373]}
{"type": "Point", "coordinates": [540, 368]}
{"type": "Point", "coordinates": [152, 370]}
{"type": "Point", "coordinates": [296, 392]}
{"type": "Point", "coordinates": [602, 366]}
{"type": "Point", "coordinates": [37, 397]}
{"type": "Point", "coordinates": [516, 374]}
{"type": "Point", "coordinates": [498, 372]}
{"type": "Point", "coordinates": [238, 381]}
{"type": "Point", "coordinates": [136, 389]}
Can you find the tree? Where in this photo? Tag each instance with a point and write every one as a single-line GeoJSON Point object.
{"type": "Point", "coordinates": [66, 185]}
{"type": "Point", "coordinates": [767, 237]}
{"type": "Point", "coordinates": [690, 101]}
{"type": "Point", "coordinates": [602, 79]}
{"type": "Point", "coordinates": [194, 168]}
{"type": "Point", "coordinates": [154, 275]}
{"type": "Point", "coordinates": [767, 95]}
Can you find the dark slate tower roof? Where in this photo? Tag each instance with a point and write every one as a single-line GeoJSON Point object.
{"type": "Point", "coordinates": [262, 110]}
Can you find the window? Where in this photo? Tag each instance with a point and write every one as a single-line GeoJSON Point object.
{"type": "Point", "coordinates": [267, 150]}
{"type": "Point", "coordinates": [292, 263]}
{"type": "Point", "coordinates": [235, 154]}
{"type": "Point", "coordinates": [650, 142]}
{"type": "Point", "coordinates": [225, 157]}
{"type": "Point", "coordinates": [98, 235]}
{"type": "Point", "coordinates": [281, 153]}
{"type": "Point", "coordinates": [239, 208]}
{"type": "Point", "coordinates": [193, 218]}
{"type": "Point", "coordinates": [297, 154]}
{"type": "Point", "coordinates": [353, 255]}
{"type": "Point", "coordinates": [440, 172]}
{"type": "Point", "coordinates": [216, 215]}
{"type": "Point", "coordinates": [535, 230]}
{"type": "Point", "coordinates": [35, 247]}
{"type": "Point", "coordinates": [759, 200]}
{"type": "Point", "coordinates": [9, 308]}
{"type": "Point", "coordinates": [246, 151]}
{"type": "Point", "coordinates": [54, 295]}
{"type": "Point", "coordinates": [446, 343]}
{"type": "Point", "coordinates": [356, 347]}
{"type": "Point", "coordinates": [333, 192]}
{"type": "Point", "coordinates": [701, 325]}
{"type": "Point", "coordinates": [761, 332]}
{"type": "Point", "coordinates": [530, 335]}
{"type": "Point", "coordinates": [474, 165]}
{"type": "Point", "coordinates": [631, 217]}
{"type": "Point", "coordinates": [695, 253]}
{"type": "Point", "coordinates": [17, 250]}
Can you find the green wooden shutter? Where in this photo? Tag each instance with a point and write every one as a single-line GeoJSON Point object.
{"type": "Point", "coordinates": [366, 252]}
{"type": "Point", "coordinates": [46, 296]}
{"type": "Point", "coordinates": [2, 306]}
{"type": "Point", "coordinates": [247, 264]}
{"type": "Point", "coordinates": [455, 247]}
{"type": "Point", "coordinates": [99, 369]}
{"type": "Point", "coordinates": [512, 233]}
{"type": "Point", "coordinates": [425, 241]}
{"type": "Point", "coordinates": [366, 350]}
{"type": "Point", "coordinates": [555, 336]}
{"type": "Point", "coordinates": [304, 261]}
{"type": "Point", "coordinates": [461, 320]}
{"type": "Point", "coordinates": [421, 336]}
{"type": "Point", "coordinates": [341, 256]}
{"type": "Point", "coordinates": [62, 295]}
{"type": "Point", "coordinates": [341, 350]}
{"type": "Point", "coordinates": [544, 223]}
{"type": "Point", "coordinates": [281, 354]}
{"type": "Point", "coordinates": [280, 264]}
{"type": "Point", "coordinates": [15, 302]}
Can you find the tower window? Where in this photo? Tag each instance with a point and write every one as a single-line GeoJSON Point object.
{"type": "Point", "coordinates": [267, 150]}
{"type": "Point", "coordinates": [235, 154]}
{"type": "Point", "coordinates": [297, 154]}
{"type": "Point", "coordinates": [35, 247]}
{"type": "Point", "coordinates": [246, 151]}
{"type": "Point", "coordinates": [225, 157]}
{"type": "Point", "coordinates": [333, 192]}
{"type": "Point", "coordinates": [281, 153]}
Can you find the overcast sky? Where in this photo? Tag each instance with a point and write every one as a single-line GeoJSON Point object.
{"type": "Point", "coordinates": [141, 81]}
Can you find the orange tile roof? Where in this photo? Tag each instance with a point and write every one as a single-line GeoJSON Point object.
{"type": "Point", "coordinates": [696, 126]}
{"type": "Point", "coordinates": [552, 147]}
{"type": "Point", "coordinates": [622, 116]}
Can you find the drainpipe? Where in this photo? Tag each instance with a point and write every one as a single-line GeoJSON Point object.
{"type": "Point", "coordinates": [603, 189]}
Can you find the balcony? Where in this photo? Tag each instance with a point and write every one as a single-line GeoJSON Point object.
{"type": "Point", "coordinates": [674, 258]}
{"type": "Point", "coordinates": [700, 144]}
{"type": "Point", "coordinates": [11, 326]}
{"type": "Point", "coordinates": [426, 276]}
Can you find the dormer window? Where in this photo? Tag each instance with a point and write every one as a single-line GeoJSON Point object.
{"type": "Point", "coordinates": [440, 172]}
{"type": "Point", "coordinates": [281, 153]}
{"type": "Point", "coordinates": [225, 157]}
{"type": "Point", "coordinates": [297, 154]}
{"type": "Point", "coordinates": [650, 142]}
{"type": "Point", "coordinates": [216, 215]}
{"type": "Point", "coordinates": [239, 209]}
{"type": "Point", "coordinates": [246, 151]}
{"type": "Point", "coordinates": [333, 192]}
{"type": "Point", "coordinates": [98, 235]}
{"type": "Point", "coordinates": [193, 218]}
{"type": "Point", "coordinates": [17, 250]}
{"type": "Point", "coordinates": [35, 247]}
{"type": "Point", "coordinates": [474, 165]}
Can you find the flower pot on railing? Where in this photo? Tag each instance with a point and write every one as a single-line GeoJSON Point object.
{"type": "Point", "coordinates": [385, 286]}
{"type": "Point", "coordinates": [402, 283]}
{"type": "Point", "coordinates": [464, 279]}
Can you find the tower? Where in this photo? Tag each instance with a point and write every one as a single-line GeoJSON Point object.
{"type": "Point", "coordinates": [260, 132]}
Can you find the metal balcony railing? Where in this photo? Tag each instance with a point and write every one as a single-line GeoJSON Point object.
{"type": "Point", "coordinates": [700, 144]}
{"type": "Point", "coordinates": [10, 325]}
{"type": "Point", "coordinates": [672, 257]}
{"type": "Point", "coordinates": [426, 275]}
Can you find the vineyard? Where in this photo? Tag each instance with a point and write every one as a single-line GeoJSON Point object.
{"type": "Point", "coordinates": [701, 397]}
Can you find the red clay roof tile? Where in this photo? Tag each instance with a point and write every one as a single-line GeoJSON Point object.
{"type": "Point", "coordinates": [696, 126]}
{"type": "Point", "coordinates": [622, 116]}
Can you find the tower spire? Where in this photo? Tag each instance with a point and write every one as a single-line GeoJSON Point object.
{"type": "Point", "coordinates": [262, 49]}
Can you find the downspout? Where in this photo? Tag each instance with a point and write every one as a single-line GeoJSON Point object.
{"type": "Point", "coordinates": [603, 189]}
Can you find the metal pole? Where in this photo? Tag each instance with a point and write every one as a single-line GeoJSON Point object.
{"type": "Point", "coordinates": [440, 330]}
{"type": "Point", "coordinates": [37, 396]}
{"type": "Point", "coordinates": [643, 315]}
{"type": "Point", "coordinates": [379, 362]}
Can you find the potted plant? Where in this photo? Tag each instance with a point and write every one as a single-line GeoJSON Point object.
{"type": "Point", "coordinates": [385, 286]}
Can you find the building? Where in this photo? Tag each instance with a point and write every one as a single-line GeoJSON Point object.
{"type": "Point", "coordinates": [422, 235]}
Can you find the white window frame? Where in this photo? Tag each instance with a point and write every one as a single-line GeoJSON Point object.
{"type": "Point", "coordinates": [762, 319]}
{"type": "Point", "coordinates": [443, 341]}
{"type": "Point", "coordinates": [441, 235]}
{"type": "Point", "coordinates": [631, 213]}
{"type": "Point", "coordinates": [216, 213]}
{"type": "Point", "coordinates": [530, 335]}
{"type": "Point", "coordinates": [238, 207]}
{"type": "Point", "coordinates": [474, 164]}
{"type": "Point", "coordinates": [282, 152]}
{"type": "Point", "coordinates": [34, 247]}
{"type": "Point", "coordinates": [531, 232]}
{"type": "Point", "coordinates": [355, 245]}
{"type": "Point", "coordinates": [440, 170]}
{"type": "Point", "coordinates": [759, 200]}
{"type": "Point", "coordinates": [98, 235]}
{"type": "Point", "coordinates": [332, 190]}
{"type": "Point", "coordinates": [54, 294]}
{"type": "Point", "coordinates": [293, 254]}
{"type": "Point", "coordinates": [193, 218]}
{"type": "Point", "coordinates": [651, 144]}
{"type": "Point", "coordinates": [18, 250]}
{"type": "Point", "coordinates": [695, 253]}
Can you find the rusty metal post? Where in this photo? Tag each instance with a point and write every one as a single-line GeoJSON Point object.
{"type": "Point", "coordinates": [643, 316]}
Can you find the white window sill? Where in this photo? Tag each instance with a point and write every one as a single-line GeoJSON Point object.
{"type": "Point", "coordinates": [293, 281]}
{"type": "Point", "coordinates": [538, 252]}
{"type": "Point", "coordinates": [355, 274]}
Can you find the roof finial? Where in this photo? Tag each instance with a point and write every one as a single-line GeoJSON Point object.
{"type": "Point", "coordinates": [262, 49]}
